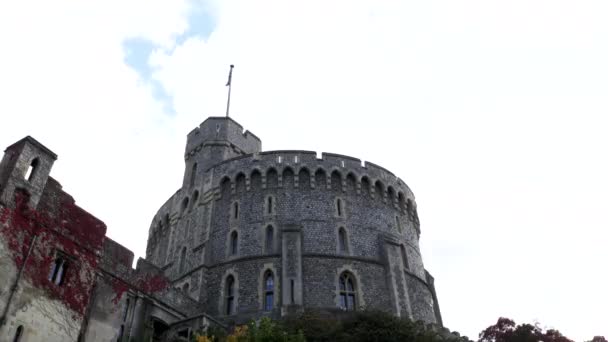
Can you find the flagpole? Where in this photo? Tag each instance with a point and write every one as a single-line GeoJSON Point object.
{"type": "Point", "coordinates": [229, 84]}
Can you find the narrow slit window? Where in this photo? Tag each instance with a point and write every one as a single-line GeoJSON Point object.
{"type": "Point", "coordinates": [230, 295]}
{"type": "Point", "coordinates": [234, 243]}
{"type": "Point", "coordinates": [269, 239]}
{"type": "Point", "coordinates": [269, 204]}
{"type": "Point", "coordinates": [31, 170]}
{"type": "Point", "coordinates": [342, 241]}
{"type": "Point", "coordinates": [235, 210]}
{"type": "Point", "coordinates": [339, 207]}
{"type": "Point", "coordinates": [58, 269]}
{"type": "Point", "coordinates": [292, 291]}
{"type": "Point", "coordinates": [18, 334]}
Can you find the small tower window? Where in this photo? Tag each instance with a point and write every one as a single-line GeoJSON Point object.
{"type": "Point", "coordinates": [31, 170]}
{"type": "Point", "coordinates": [339, 207]}
{"type": "Point", "coordinates": [193, 174]}
{"type": "Point", "coordinates": [194, 200]}
{"type": "Point", "coordinates": [268, 291]}
{"type": "Point", "coordinates": [348, 292]}
{"type": "Point", "coordinates": [235, 210]}
{"type": "Point", "coordinates": [18, 334]}
{"type": "Point", "coordinates": [234, 243]}
{"type": "Point", "coordinates": [182, 260]}
{"type": "Point", "coordinates": [230, 295]}
{"type": "Point", "coordinates": [342, 241]}
{"type": "Point", "coordinates": [58, 269]}
{"type": "Point", "coordinates": [406, 264]}
{"type": "Point", "coordinates": [270, 205]}
{"type": "Point", "coordinates": [398, 223]}
{"type": "Point", "coordinates": [184, 205]}
{"type": "Point", "coordinates": [186, 289]}
{"type": "Point", "coordinates": [269, 239]}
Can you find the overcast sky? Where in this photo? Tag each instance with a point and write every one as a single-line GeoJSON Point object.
{"type": "Point", "coordinates": [493, 112]}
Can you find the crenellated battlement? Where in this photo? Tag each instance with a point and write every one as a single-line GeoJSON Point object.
{"type": "Point", "coordinates": [298, 159]}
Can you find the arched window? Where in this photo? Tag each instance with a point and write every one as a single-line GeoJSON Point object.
{"type": "Point", "coordinates": [348, 292]}
{"type": "Point", "coordinates": [229, 291]}
{"type": "Point", "coordinates": [336, 181]}
{"type": "Point", "coordinates": [268, 291]}
{"type": "Point", "coordinates": [225, 187]}
{"type": "Point", "coordinates": [193, 175]}
{"type": "Point", "coordinates": [31, 170]}
{"type": "Point", "coordinates": [320, 179]}
{"type": "Point", "coordinates": [272, 179]}
{"type": "Point", "coordinates": [235, 210]}
{"type": "Point", "coordinates": [184, 204]}
{"type": "Point", "coordinates": [288, 177]}
{"type": "Point", "coordinates": [18, 334]}
{"type": "Point", "coordinates": [234, 243]}
{"type": "Point", "coordinates": [304, 179]}
{"type": "Point", "coordinates": [342, 241]}
{"type": "Point", "coordinates": [182, 260]}
{"type": "Point", "coordinates": [241, 183]}
{"type": "Point", "coordinates": [194, 199]}
{"type": "Point", "coordinates": [58, 269]}
{"type": "Point", "coordinates": [351, 183]}
{"type": "Point", "coordinates": [365, 186]}
{"type": "Point", "coordinates": [379, 190]}
{"type": "Point", "coordinates": [256, 180]}
{"type": "Point", "coordinates": [269, 241]}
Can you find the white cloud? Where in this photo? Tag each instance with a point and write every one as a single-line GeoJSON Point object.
{"type": "Point", "coordinates": [493, 112]}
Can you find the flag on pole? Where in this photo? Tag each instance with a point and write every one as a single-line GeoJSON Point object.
{"type": "Point", "coordinates": [230, 76]}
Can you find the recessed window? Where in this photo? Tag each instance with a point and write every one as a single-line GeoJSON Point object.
{"type": "Point", "coordinates": [270, 205]}
{"type": "Point", "coordinates": [269, 241]}
{"type": "Point", "coordinates": [235, 210]}
{"type": "Point", "coordinates": [348, 292]}
{"type": "Point", "coordinates": [234, 243]}
{"type": "Point", "coordinates": [398, 223]}
{"type": "Point", "coordinates": [182, 260]}
{"type": "Point", "coordinates": [342, 240]}
{"type": "Point", "coordinates": [18, 334]}
{"type": "Point", "coordinates": [406, 264]}
{"type": "Point", "coordinates": [268, 291]}
{"type": "Point", "coordinates": [229, 295]}
{"type": "Point", "coordinates": [339, 207]}
{"type": "Point", "coordinates": [58, 270]}
{"type": "Point", "coordinates": [31, 170]}
{"type": "Point", "coordinates": [193, 174]}
{"type": "Point", "coordinates": [186, 289]}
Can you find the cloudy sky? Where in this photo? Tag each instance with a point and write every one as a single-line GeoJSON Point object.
{"type": "Point", "coordinates": [493, 112]}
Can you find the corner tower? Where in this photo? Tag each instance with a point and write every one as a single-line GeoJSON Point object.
{"type": "Point", "coordinates": [215, 140]}
{"type": "Point", "coordinates": [26, 165]}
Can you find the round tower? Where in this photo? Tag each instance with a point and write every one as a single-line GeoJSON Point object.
{"type": "Point", "coordinates": [267, 233]}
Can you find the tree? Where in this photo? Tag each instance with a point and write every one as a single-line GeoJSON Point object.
{"type": "Point", "coordinates": [505, 330]}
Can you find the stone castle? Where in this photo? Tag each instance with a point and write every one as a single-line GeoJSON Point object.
{"type": "Point", "coordinates": [248, 234]}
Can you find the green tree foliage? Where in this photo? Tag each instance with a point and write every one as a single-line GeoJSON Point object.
{"type": "Point", "coordinates": [505, 330]}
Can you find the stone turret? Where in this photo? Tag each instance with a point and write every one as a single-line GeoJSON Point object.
{"type": "Point", "coordinates": [26, 166]}
{"type": "Point", "coordinates": [215, 140]}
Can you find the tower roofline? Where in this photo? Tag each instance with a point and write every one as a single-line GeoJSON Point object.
{"type": "Point", "coordinates": [33, 142]}
{"type": "Point", "coordinates": [196, 130]}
